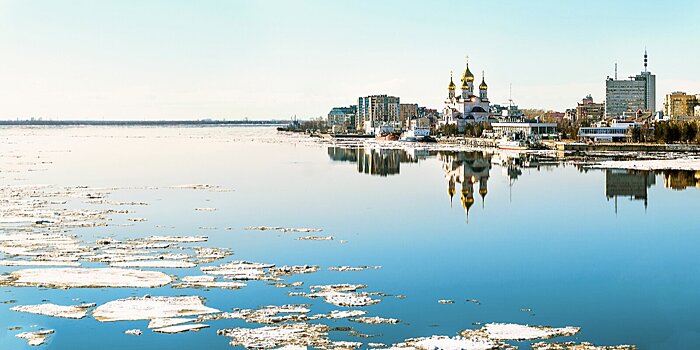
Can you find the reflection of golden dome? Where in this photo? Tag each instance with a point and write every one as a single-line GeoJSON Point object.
{"type": "Point", "coordinates": [483, 191]}
{"type": "Point", "coordinates": [451, 189]}
{"type": "Point", "coordinates": [467, 198]}
{"type": "Point", "coordinates": [467, 202]}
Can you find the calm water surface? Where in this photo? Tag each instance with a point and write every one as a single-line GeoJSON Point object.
{"type": "Point", "coordinates": [535, 241]}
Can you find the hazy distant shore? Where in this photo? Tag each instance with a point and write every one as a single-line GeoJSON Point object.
{"type": "Point", "coordinates": [37, 122]}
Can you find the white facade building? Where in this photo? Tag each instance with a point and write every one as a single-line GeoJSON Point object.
{"type": "Point", "coordinates": [466, 107]}
{"type": "Point", "coordinates": [528, 130]}
{"type": "Point", "coordinates": [616, 131]}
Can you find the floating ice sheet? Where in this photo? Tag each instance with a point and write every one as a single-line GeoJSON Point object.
{"type": "Point", "coordinates": [148, 307]}
{"type": "Point", "coordinates": [654, 164]}
{"type": "Point", "coordinates": [580, 346]}
{"type": "Point", "coordinates": [48, 309]}
{"type": "Point", "coordinates": [181, 328]}
{"type": "Point", "coordinates": [85, 278]}
{"type": "Point", "coordinates": [510, 331]}
{"type": "Point", "coordinates": [35, 338]}
{"type": "Point", "coordinates": [295, 334]}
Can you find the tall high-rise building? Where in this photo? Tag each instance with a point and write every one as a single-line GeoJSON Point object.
{"type": "Point", "coordinates": [376, 111]}
{"type": "Point", "coordinates": [628, 97]}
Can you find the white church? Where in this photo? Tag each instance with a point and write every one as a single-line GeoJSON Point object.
{"type": "Point", "coordinates": [467, 107]}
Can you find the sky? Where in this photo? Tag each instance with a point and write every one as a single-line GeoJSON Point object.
{"type": "Point", "coordinates": [235, 59]}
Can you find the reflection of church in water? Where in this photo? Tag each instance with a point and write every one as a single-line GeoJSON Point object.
{"type": "Point", "coordinates": [467, 171]}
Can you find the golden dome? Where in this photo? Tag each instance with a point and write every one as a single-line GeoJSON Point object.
{"type": "Point", "coordinates": [483, 85]}
{"type": "Point", "coordinates": [467, 76]}
{"type": "Point", "coordinates": [452, 83]}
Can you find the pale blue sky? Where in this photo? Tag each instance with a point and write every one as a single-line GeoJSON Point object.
{"type": "Point", "coordinates": [94, 59]}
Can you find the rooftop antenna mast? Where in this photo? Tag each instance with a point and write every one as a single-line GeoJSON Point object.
{"type": "Point", "coordinates": [645, 59]}
{"type": "Point", "coordinates": [615, 70]}
{"type": "Point", "coordinates": [510, 94]}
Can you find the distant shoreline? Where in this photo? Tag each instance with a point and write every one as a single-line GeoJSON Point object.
{"type": "Point", "coordinates": [37, 122]}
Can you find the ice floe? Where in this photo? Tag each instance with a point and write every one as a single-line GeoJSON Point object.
{"type": "Point", "coordinates": [150, 307]}
{"type": "Point", "coordinates": [282, 229]}
{"type": "Point", "coordinates": [135, 332]}
{"type": "Point", "coordinates": [178, 239]}
{"type": "Point", "coordinates": [206, 281]}
{"type": "Point", "coordinates": [346, 313]}
{"type": "Point", "coordinates": [205, 209]}
{"type": "Point", "coordinates": [85, 278]}
{"type": "Point", "coordinates": [272, 314]}
{"type": "Point", "coordinates": [344, 298]}
{"type": "Point", "coordinates": [580, 346]}
{"type": "Point", "coordinates": [168, 322]}
{"type": "Point", "coordinates": [181, 328]}
{"type": "Point", "coordinates": [315, 238]}
{"type": "Point", "coordinates": [352, 268]}
{"type": "Point", "coordinates": [35, 338]}
{"type": "Point", "coordinates": [269, 337]}
{"type": "Point", "coordinates": [436, 342]}
{"type": "Point", "coordinates": [651, 164]}
{"type": "Point", "coordinates": [293, 270]}
{"type": "Point", "coordinates": [48, 309]}
{"type": "Point", "coordinates": [510, 331]}
{"type": "Point", "coordinates": [376, 320]}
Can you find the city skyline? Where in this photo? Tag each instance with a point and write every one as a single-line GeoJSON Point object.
{"type": "Point", "coordinates": [272, 60]}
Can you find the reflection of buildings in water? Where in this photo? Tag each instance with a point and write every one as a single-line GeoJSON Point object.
{"type": "Point", "coordinates": [376, 161]}
{"type": "Point", "coordinates": [513, 163]}
{"type": "Point", "coordinates": [634, 183]}
{"type": "Point", "coordinates": [681, 179]}
{"type": "Point", "coordinates": [466, 169]}
{"type": "Point", "coordinates": [628, 183]}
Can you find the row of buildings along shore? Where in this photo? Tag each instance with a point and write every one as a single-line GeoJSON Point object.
{"type": "Point", "coordinates": [629, 103]}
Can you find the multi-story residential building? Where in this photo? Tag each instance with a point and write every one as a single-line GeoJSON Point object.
{"type": "Point", "coordinates": [589, 110]}
{"type": "Point", "coordinates": [629, 97]}
{"type": "Point", "coordinates": [570, 114]}
{"type": "Point", "coordinates": [407, 112]}
{"type": "Point", "coordinates": [680, 105]}
{"type": "Point", "coordinates": [377, 111]}
{"type": "Point", "coordinates": [342, 116]}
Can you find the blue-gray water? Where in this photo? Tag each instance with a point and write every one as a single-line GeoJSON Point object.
{"type": "Point", "coordinates": [545, 243]}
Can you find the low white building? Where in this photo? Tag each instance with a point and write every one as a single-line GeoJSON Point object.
{"type": "Point", "coordinates": [529, 130]}
{"type": "Point", "coordinates": [615, 132]}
